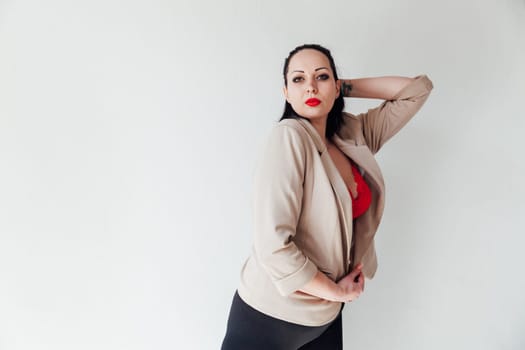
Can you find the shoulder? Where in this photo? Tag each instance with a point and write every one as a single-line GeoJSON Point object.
{"type": "Point", "coordinates": [289, 139]}
{"type": "Point", "coordinates": [290, 129]}
{"type": "Point", "coordinates": [291, 124]}
{"type": "Point", "coordinates": [349, 117]}
{"type": "Point", "coordinates": [352, 126]}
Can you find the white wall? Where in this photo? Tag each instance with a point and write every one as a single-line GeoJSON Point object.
{"type": "Point", "coordinates": [129, 132]}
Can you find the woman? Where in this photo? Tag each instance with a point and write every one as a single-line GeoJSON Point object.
{"type": "Point", "coordinates": [318, 201]}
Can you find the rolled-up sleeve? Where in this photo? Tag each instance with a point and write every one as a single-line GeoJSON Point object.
{"type": "Point", "coordinates": [278, 194]}
{"type": "Point", "coordinates": [383, 122]}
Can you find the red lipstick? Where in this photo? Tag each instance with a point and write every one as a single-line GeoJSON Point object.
{"type": "Point", "coordinates": [312, 102]}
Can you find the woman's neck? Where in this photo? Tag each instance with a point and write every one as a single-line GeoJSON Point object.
{"type": "Point", "coordinates": [320, 127]}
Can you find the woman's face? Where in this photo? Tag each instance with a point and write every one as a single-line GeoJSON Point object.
{"type": "Point", "coordinates": [312, 88]}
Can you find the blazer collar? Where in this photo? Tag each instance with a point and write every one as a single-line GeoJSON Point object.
{"type": "Point", "coordinates": [319, 143]}
{"type": "Point", "coordinates": [360, 154]}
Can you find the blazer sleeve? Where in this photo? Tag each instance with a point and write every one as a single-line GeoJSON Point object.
{"type": "Point", "coordinates": [277, 207]}
{"type": "Point", "coordinates": [381, 123]}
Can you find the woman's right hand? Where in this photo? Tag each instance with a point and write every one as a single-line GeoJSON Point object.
{"type": "Point", "coordinates": [352, 285]}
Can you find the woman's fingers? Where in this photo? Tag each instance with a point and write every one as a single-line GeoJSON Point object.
{"type": "Point", "coordinates": [354, 282]}
{"type": "Point", "coordinates": [355, 273]}
{"type": "Point", "coordinates": [361, 282]}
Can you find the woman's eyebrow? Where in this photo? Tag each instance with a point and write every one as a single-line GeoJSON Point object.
{"type": "Point", "coordinates": [302, 71]}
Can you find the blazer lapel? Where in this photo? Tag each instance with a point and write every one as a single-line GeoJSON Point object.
{"type": "Point", "coordinates": [366, 225]}
{"type": "Point", "coordinates": [342, 195]}
{"type": "Point", "coordinates": [362, 155]}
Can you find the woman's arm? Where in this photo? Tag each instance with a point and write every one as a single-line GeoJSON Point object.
{"type": "Point", "coordinates": [403, 98]}
{"type": "Point", "coordinates": [347, 289]}
{"type": "Point", "coordinates": [384, 88]}
{"type": "Point", "coordinates": [277, 202]}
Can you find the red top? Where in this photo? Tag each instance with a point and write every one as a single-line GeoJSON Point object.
{"type": "Point", "coordinates": [362, 201]}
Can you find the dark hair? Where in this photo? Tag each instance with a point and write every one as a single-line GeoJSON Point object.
{"type": "Point", "coordinates": [335, 116]}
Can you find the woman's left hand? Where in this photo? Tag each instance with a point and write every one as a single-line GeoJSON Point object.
{"type": "Point", "coordinates": [352, 285]}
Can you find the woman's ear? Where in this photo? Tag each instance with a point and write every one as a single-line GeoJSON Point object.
{"type": "Point", "coordinates": [338, 86]}
{"type": "Point", "coordinates": [285, 93]}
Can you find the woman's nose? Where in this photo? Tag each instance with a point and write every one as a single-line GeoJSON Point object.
{"type": "Point", "coordinates": [311, 87]}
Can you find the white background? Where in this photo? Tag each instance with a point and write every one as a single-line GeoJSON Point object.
{"type": "Point", "coordinates": [129, 133]}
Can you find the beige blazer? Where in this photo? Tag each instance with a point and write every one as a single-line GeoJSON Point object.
{"type": "Point", "coordinates": [302, 209]}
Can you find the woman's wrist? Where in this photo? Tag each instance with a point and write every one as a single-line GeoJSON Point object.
{"type": "Point", "coordinates": [323, 287]}
{"type": "Point", "coordinates": [346, 87]}
{"type": "Point", "coordinates": [338, 294]}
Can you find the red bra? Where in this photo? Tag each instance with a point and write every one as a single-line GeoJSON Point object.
{"type": "Point", "coordinates": [363, 199]}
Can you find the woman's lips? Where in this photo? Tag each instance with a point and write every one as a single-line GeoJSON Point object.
{"type": "Point", "coordinates": [312, 102]}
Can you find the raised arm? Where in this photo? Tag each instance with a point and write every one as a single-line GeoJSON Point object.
{"type": "Point", "coordinates": [403, 98]}
{"type": "Point", "coordinates": [383, 88]}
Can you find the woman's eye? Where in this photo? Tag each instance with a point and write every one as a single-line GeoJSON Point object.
{"type": "Point", "coordinates": [323, 77]}
{"type": "Point", "coordinates": [297, 79]}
